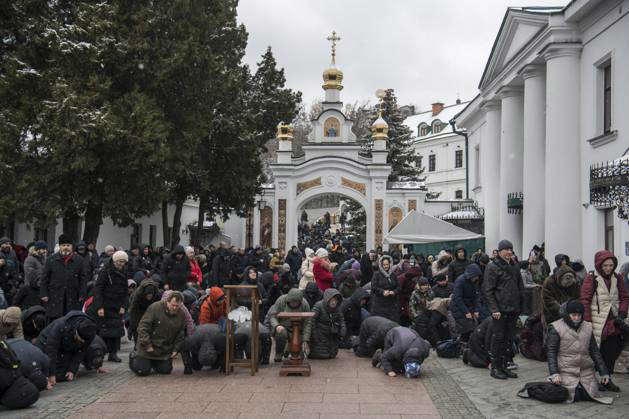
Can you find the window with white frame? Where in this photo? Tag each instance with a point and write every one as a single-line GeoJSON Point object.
{"type": "Point", "coordinates": [437, 126]}
{"type": "Point", "coordinates": [424, 130]}
{"type": "Point", "coordinates": [432, 163]}
{"type": "Point", "coordinates": [458, 159]}
{"type": "Point", "coordinates": [607, 97]}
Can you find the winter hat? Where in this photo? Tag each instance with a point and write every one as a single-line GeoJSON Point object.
{"type": "Point", "coordinates": [12, 315]}
{"type": "Point", "coordinates": [505, 244]}
{"type": "Point", "coordinates": [65, 239]}
{"type": "Point", "coordinates": [286, 267]}
{"type": "Point", "coordinates": [131, 283]}
{"type": "Point", "coordinates": [5, 240]}
{"type": "Point", "coordinates": [40, 245]}
{"type": "Point", "coordinates": [574, 306]}
{"type": "Point", "coordinates": [120, 255]}
{"type": "Point", "coordinates": [308, 252]}
{"type": "Point", "coordinates": [87, 330]}
{"type": "Point", "coordinates": [322, 253]}
{"type": "Point", "coordinates": [356, 265]}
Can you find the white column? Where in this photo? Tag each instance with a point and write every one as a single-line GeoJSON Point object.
{"type": "Point", "coordinates": [490, 166]}
{"type": "Point", "coordinates": [511, 148]}
{"type": "Point", "coordinates": [563, 156]}
{"type": "Point", "coordinates": [534, 156]}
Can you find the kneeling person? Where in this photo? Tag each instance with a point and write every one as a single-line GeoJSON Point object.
{"type": "Point", "coordinates": [160, 336]}
{"type": "Point", "coordinates": [65, 341]}
{"type": "Point", "coordinates": [573, 356]}
{"type": "Point", "coordinates": [328, 326]}
{"type": "Point", "coordinates": [281, 329]}
{"type": "Point", "coordinates": [404, 352]}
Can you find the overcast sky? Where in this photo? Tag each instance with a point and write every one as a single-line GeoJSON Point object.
{"type": "Point", "coordinates": [425, 50]}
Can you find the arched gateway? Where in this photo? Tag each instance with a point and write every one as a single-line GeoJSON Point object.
{"type": "Point", "coordinates": [332, 164]}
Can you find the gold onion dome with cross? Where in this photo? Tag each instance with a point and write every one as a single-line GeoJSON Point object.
{"type": "Point", "coordinates": [380, 128]}
{"type": "Point", "coordinates": [333, 77]}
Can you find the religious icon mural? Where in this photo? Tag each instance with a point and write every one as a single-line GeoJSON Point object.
{"type": "Point", "coordinates": [331, 127]}
{"type": "Point", "coordinates": [266, 227]}
{"type": "Point", "coordinates": [395, 216]}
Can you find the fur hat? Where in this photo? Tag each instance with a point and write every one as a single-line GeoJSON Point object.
{"type": "Point", "coordinates": [322, 253]}
{"type": "Point", "coordinates": [120, 255]}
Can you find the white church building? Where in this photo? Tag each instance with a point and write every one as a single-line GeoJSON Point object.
{"type": "Point", "coordinates": [441, 151]}
{"type": "Point", "coordinates": [549, 129]}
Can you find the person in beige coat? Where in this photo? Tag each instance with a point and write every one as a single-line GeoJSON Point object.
{"type": "Point", "coordinates": [11, 323]}
{"type": "Point", "coordinates": [573, 356]}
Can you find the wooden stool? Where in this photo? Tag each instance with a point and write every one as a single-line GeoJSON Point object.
{"type": "Point", "coordinates": [295, 365]}
{"type": "Point", "coordinates": [254, 339]}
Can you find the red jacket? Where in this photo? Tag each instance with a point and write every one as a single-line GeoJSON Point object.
{"type": "Point", "coordinates": [195, 272]}
{"type": "Point", "coordinates": [322, 273]}
{"type": "Point", "coordinates": [211, 310]}
{"type": "Point", "coordinates": [587, 293]}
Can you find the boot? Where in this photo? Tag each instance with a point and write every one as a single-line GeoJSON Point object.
{"type": "Point", "coordinates": [375, 360]}
{"type": "Point", "coordinates": [496, 370]}
{"type": "Point", "coordinates": [612, 387]}
{"type": "Point", "coordinates": [506, 371]}
{"type": "Point", "coordinates": [113, 357]}
{"type": "Point", "coordinates": [186, 357]}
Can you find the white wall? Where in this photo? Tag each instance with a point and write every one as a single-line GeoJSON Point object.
{"type": "Point", "coordinates": [446, 179]}
{"type": "Point", "coordinates": [605, 38]}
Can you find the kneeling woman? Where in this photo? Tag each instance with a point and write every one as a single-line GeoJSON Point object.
{"type": "Point", "coordinates": [573, 355]}
{"type": "Point", "coordinates": [328, 326]}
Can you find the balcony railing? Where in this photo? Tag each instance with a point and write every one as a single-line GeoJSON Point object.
{"type": "Point", "coordinates": [609, 185]}
{"type": "Point", "coordinates": [515, 202]}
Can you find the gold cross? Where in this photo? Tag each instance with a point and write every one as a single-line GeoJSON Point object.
{"type": "Point", "coordinates": [333, 39]}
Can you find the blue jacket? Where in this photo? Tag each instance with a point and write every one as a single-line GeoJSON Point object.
{"type": "Point", "coordinates": [465, 295]}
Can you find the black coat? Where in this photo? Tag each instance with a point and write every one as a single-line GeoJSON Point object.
{"type": "Point", "coordinates": [402, 345]}
{"type": "Point", "coordinates": [176, 271]}
{"type": "Point", "coordinates": [351, 309]}
{"type": "Point", "coordinates": [456, 268]}
{"type": "Point", "coordinates": [34, 363]}
{"type": "Point", "coordinates": [139, 304]}
{"type": "Point", "coordinates": [111, 294]}
{"type": "Point", "coordinates": [465, 295]}
{"type": "Point", "coordinates": [64, 285]}
{"type": "Point", "coordinates": [503, 287]}
{"type": "Point", "coordinates": [328, 326]}
{"type": "Point", "coordinates": [294, 261]}
{"type": "Point", "coordinates": [221, 268]}
{"type": "Point", "coordinates": [58, 341]}
{"type": "Point", "coordinates": [388, 306]}
{"type": "Point", "coordinates": [95, 354]}
{"type": "Point", "coordinates": [27, 296]}
{"type": "Point", "coordinates": [372, 333]}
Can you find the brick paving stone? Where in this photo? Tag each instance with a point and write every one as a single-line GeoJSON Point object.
{"type": "Point", "coordinates": [325, 408]}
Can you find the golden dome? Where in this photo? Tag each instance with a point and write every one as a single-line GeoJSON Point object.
{"type": "Point", "coordinates": [380, 129]}
{"type": "Point", "coordinates": [332, 78]}
{"type": "Point", "coordinates": [284, 131]}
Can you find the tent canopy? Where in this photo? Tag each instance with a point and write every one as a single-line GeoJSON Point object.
{"type": "Point", "coordinates": [423, 228]}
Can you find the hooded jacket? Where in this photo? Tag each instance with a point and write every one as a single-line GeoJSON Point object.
{"type": "Point", "coordinates": [312, 294]}
{"type": "Point", "coordinates": [11, 323]}
{"type": "Point", "coordinates": [139, 304]}
{"type": "Point", "coordinates": [352, 311]}
{"type": "Point", "coordinates": [385, 306]}
{"type": "Point", "coordinates": [328, 326]}
{"type": "Point", "coordinates": [456, 268]}
{"type": "Point", "coordinates": [58, 341]}
{"type": "Point", "coordinates": [162, 330]}
{"type": "Point", "coordinates": [402, 345]}
{"type": "Point", "coordinates": [465, 295]}
{"type": "Point", "coordinates": [212, 310]}
{"type": "Point", "coordinates": [176, 272]}
{"type": "Point", "coordinates": [372, 333]}
{"type": "Point", "coordinates": [33, 322]}
{"type": "Point", "coordinates": [554, 295]}
{"type": "Point", "coordinates": [349, 282]}
{"type": "Point", "coordinates": [281, 305]}
{"type": "Point", "coordinates": [604, 298]}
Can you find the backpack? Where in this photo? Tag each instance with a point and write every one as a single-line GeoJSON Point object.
{"type": "Point", "coordinates": [196, 308]}
{"type": "Point", "coordinates": [545, 392]}
{"type": "Point", "coordinates": [449, 349]}
{"type": "Point", "coordinates": [532, 339]}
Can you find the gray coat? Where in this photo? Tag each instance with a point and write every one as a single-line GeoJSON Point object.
{"type": "Point", "coordinates": [403, 345]}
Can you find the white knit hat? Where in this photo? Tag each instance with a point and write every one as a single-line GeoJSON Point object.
{"type": "Point", "coordinates": [322, 253]}
{"type": "Point", "coordinates": [120, 255]}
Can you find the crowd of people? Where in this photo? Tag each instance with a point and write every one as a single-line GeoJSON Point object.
{"type": "Point", "coordinates": [73, 307]}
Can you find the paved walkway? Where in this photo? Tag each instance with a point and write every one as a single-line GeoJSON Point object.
{"type": "Point", "coordinates": [346, 387]}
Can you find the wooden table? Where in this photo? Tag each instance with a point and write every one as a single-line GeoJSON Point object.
{"type": "Point", "coordinates": [230, 361]}
{"type": "Point", "coordinates": [295, 364]}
